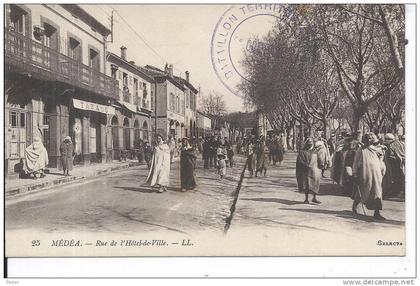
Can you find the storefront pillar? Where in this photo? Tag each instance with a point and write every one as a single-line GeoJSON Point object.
{"type": "Point", "coordinates": [103, 143]}
{"type": "Point", "coordinates": [85, 140]}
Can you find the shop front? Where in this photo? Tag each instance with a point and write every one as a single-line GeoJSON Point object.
{"type": "Point", "coordinates": [87, 123]}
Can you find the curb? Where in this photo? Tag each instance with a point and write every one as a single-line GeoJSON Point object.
{"type": "Point", "coordinates": [61, 181]}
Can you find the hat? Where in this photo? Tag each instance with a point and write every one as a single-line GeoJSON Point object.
{"type": "Point", "coordinates": [370, 138]}
{"type": "Point", "coordinates": [389, 137]}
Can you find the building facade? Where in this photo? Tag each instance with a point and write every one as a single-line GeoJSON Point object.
{"type": "Point", "coordinates": [132, 119]}
{"type": "Point", "coordinates": [203, 125]}
{"type": "Point", "coordinates": [175, 104]}
{"type": "Point", "coordinates": [55, 82]}
{"type": "Point", "coordinates": [190, 95]}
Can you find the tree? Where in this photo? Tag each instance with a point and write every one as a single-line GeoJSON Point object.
{"type": "Point", "coordinates": [213, 104]}
{"type": "Point", "coordinates": [368, 63]}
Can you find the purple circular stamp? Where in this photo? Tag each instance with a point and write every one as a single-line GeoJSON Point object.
{"type": "Point", "coordinates": [240, 30]}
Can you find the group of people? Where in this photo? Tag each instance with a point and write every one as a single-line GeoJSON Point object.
{"type": "Point", "coordinates": [261, 153]}
{"type": "Point", "coordinates": [36, 158]}
{"type": "Point", "coordinates": [160, 166]}
{"type": "Point", "coordinates": [365, 166]}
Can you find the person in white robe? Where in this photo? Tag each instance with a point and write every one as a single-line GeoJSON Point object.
{"type": "Point", "coordinates": [160, 166]}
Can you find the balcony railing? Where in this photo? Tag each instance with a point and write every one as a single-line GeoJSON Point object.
{"type": "Point", "coordinates": [25, 55]}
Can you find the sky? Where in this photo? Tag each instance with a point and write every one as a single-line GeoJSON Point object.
{"type": "Point", "coordinates": [175, 34]}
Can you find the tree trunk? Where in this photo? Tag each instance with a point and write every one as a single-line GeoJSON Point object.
{"type": "Point", "coordinates": [325, 124]}
{"type": "Point", "coordinates": [358, 114]}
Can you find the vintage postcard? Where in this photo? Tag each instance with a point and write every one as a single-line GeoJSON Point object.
{"type": "Point", "coordinates": [207, 130]}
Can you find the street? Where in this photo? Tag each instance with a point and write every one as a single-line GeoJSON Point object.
{"type": "Point", "coordinates": [266, 208]}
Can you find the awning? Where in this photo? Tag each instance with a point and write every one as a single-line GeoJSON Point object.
{"type": "Point", "coordinates": [85, 105]}
{"type": "Point", "coordinates": [129, 106]}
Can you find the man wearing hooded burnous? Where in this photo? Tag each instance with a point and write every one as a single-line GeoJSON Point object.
{"type": "Point", "coordinates": [368, 171]}
{"type": "Point", "coordinates": [67, 155]}
{"type": "Point", "coordinates": [36, 159]}
{"type": "Point", "coordinates": [393, 183]}
{"type": "Point", "coordinates": [308, 173]}
{"type": "Point", "coordinates": [160, 167]}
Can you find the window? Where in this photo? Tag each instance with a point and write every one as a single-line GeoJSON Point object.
{"type": "Point", "coordinates": [172, 102]}
{"type": "Point", "coordinates": [75, 49]}
{"type": "Point", "coordinates": [18, 19]}
{"type": "Point", "coordinates": [182, 107]}
{"type": "Point", "coordinates": [152, 100]}
{"type": "Point", "coordinates": [125, 79]}
{"type": "Point", "coordinates": [114, 73]}
{"type": "Point", "coordinates": [94, 59]}
{"type": "Point", "coordinates": [144, 95]}
{"type": "Point", "coordinates": [192, 99]}
{"type": "Point", "coordinates": [17, 140]}
{"type": "Point", "coordinates": [136, 87]}
{"type": "Point", "coordinates": [177, 104]}
{"type": "Point", "coordinates": [51, 36]}
{"type": "Point", "coordinates": [187, 100]}
{"type": "Point", "coordinates": [92, 138]}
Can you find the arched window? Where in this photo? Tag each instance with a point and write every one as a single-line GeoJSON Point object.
{"type": "Point", "coordinates": [136, 132]}
{"type": "Point", "coordinates": [114, 121]}
{"type": "Point", "coordinates": [145, 131]}
{"type": "Point", "coordinates": [115, 133]}
{"type": "Point", "coordinates": [126, 140]}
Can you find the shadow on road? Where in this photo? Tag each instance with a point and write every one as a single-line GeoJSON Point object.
{"type": "Point", "coordinates": [274, 200]}
{"type": "Point", "coordinates": [130, 215]}
{"type": "Point", "coordinates": [270, 222]}
{"type": "Point", "coordinates": [331, 190]}
{"type": "Point", "coordinates": [146, 190]}
{"type": "Point", "coordinates": [346, 214]}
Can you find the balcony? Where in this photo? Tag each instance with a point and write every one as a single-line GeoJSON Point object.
{"type": "Point", "coordinates": [24, 55]}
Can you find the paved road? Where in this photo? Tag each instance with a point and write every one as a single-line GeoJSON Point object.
{"type": "Point", "coordinates": [122, 203]}
{"type": "Point", "coordinates": [269, 217]}
{"type": "Point", "coordinates": [272, 209]}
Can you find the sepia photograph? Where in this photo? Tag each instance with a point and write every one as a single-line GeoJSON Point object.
{"type": "Point", "coordinates": [207, 130]}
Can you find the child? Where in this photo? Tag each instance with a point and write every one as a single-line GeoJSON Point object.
{"type": "Point", "coordinates": [221, 164]}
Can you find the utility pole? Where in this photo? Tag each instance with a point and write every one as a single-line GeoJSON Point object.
{"type": "Point", "coordinates": [112, 26]}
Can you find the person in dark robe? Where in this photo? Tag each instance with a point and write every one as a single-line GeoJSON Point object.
{"type": "Point", "coordinates": [212, 152]}
{"type": "Point", "coordinates": [206, 153]}
{"type": "Point", "coordinates": [139, 146]}
{"type": "Point", "coordinates": [349, 150]}
{"type": "Point", "coordinates": [230, 155]}
{"type": "Point", "coordinates": [308, 173]}
{"type": "Point", "coordinates": [262, 152]}
{"type": "Point", "coordinates": [251, 157]}
{"type": "Point", "coordinates": [67, 155]}
{"type": "Point", "coordinates": [148, 153]}
{"type": "Point", "coordinates": [188, 164]}
{"type": "Point", "coordinates": [394, 179]}
{"type": "Point", "coordinates": [368, 171]}
{"type": "Point", "coordinates": [278, 150]}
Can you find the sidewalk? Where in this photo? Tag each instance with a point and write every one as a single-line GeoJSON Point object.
{"type": "Point", "coordinates": [55, 177]}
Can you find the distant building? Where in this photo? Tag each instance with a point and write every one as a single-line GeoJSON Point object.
{"type": "Point", "coordinates": [55, 82]}
{"type": "Point", "coordinates": [175, 103]}
{"type": "Point", "coordinates": [132, 120]}
{"type": "Point", "coordinates": [203, 125]}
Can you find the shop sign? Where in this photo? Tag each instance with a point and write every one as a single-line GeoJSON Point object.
{"type": "Point", "coordinates": [84, 105]}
